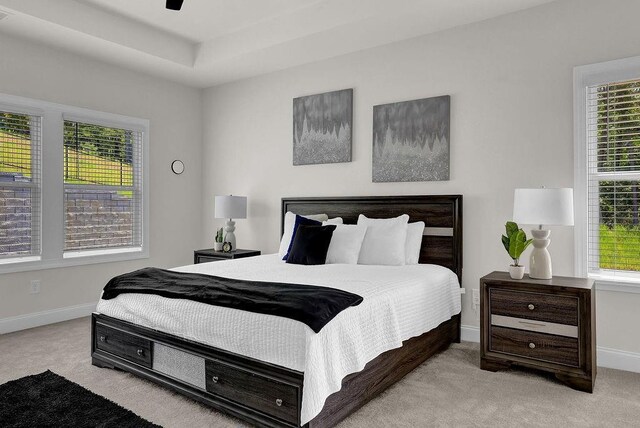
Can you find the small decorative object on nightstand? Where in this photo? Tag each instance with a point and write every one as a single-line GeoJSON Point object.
{"type": "Point", "coordinates": [515, 242]}
{"type": "Point", "coordinates": [217, 245]}
{"type": "Point", "coordinates": [542, 324]}
{"type": "Point", "coordinates": [211, 255]}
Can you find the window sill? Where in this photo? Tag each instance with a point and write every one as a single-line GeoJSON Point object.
{"type": "Point", "coordinates": [617, 284]}
{"type": "Point", "coordinates": [73, 259]}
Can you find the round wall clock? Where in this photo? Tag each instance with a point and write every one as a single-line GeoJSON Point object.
{"type": "Point", "coordinates": [177, 166]}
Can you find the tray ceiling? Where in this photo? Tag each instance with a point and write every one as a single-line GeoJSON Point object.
{"type": "Point", "coordinates": [210, 42]}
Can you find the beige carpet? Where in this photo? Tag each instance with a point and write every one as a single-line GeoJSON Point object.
{"type": "Point", "coordinates": [448, 390]}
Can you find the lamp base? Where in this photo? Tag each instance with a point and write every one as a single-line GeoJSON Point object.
{"type": "Point", "coordinates": [229, 236]}
{"type": "Point", "coordinates": [540, 261]}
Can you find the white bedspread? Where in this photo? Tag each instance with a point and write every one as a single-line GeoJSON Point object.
{"type": "Point", "coordinates": [400, 302]}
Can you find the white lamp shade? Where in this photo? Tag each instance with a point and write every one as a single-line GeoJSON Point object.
{"type": "Point", "coordinates": [552, 207]}
{"type": "Point", "coordinates": [230, 206]}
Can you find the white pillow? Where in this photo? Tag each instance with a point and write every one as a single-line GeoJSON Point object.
{"type": "Point", "coordinates": [385, 241]}
{"type": "Point", "coordinates": [413, 243]}
{"type": "Point", "coordinates": [345, 244]}
{"type": "Point", "coordinates": [335, 220]}
{"type": "Point", "coordinates": [289, 222]}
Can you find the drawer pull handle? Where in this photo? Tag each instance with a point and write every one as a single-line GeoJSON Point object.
{"type": "Point", "coordinates": [140, 352]}
{"type": "Point", "coordinates": [532, 345]}
{"type": "Point", "coordinates": [531, 306]}
{"type": "Point", "coordinates": [533, 324]}
{"type": "Point", "coordinates": [278, 402]}
{"type": "Point", "coordinates": [103, 338]}
{"type": "Point", "coordinates": [215, 379]}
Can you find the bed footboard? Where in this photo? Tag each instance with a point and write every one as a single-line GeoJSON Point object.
{"type": "Point", "coordinates": [257, 392]}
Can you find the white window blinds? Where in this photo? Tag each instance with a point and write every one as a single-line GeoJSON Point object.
{"type": "Point", "coordinates": [613, 133]}
{"type": "Point", "coordinates": [20, 142]}
{"type": "Point", "coordinates": [102, 187]}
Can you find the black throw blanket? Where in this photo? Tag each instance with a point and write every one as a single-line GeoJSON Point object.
{"type": "Point", "coordinates": [313, 305]}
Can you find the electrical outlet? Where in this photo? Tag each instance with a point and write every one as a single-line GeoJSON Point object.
{"type": "Point", "coordinates": [35, 286]}
{"type": "Point", "coordinates": [476, 298]}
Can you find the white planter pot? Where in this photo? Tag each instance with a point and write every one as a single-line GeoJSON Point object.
{"type": "Point", "coordinates": [217, 246]}
{"type": "Point", "coordinates": [516, 272]}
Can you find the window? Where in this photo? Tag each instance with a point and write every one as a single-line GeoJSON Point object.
{"type": "Point", "coordinates": [72, 186]}
{"type": "Point", "coordinates": [102, 192]}
{"type": "Point", "coordinates": [608, 171]}
{"type": "Point", "coordinates": [20, 138]}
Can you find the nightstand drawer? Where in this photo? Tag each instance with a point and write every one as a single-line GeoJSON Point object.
{"type": "Point", "coordinates": [211, 255]}
{"type": "Point", "coordinates": [538, 346]}
{"type": "Point", "coordinates": [206, 259]}
{"type": "Point", "coordinates": [534, 306]}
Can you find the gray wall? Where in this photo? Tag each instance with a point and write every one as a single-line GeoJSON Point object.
{"type": "Point", "coordinates": [37, 71]}
{"type": "Point", "coordinates": [510, 81]}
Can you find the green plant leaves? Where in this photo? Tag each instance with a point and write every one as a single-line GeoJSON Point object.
{"type": "Point", "coordinates": [505, 242]}
{"type": "Point", "coordinates": [517, 244]}
{"type": "Point", "coordinates": [516, 241]}
{"type": "Point", "coordinates": [511, 228]}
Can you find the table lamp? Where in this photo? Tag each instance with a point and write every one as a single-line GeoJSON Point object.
{"type": "Point", "coordinates": [230, 207]}
{"type": "Point", "coordinates": [549, 207]}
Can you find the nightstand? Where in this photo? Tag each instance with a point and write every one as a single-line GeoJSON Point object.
{"type": "Point", "coordinates": [210, 255]}
{"type": "Point", "coordinates": [542, 324]}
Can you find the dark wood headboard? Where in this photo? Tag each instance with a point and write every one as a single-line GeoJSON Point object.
{"type": "Point", "coordinates": [442, 214]}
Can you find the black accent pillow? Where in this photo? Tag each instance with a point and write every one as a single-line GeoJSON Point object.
{"type": "Point", "coordinates": [310, 245]}
{"type": "Point", "coordinates": [300, 221]}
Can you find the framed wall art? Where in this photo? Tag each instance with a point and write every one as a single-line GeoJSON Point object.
{"type": "Point", "coordinates": [322, 128]}
{"type": "Point", "coordinates": [411, 140]}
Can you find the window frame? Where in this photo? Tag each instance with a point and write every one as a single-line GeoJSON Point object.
{"type": "Point", "coordinates": [584, 77]}
{"type": "Point", "coordinates": [35, 184]}
{"type": "Point", "coordinates": [52, 254]}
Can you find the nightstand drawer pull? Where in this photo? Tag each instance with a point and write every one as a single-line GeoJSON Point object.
{"type": "Point", "coordinates": [215, 379]}
{"type": "Point", "coordinates": [279, 402]}
{"type": "Point", "coordinates": [531, 306]}
{"type": "Point", "coordinates": [103, 338]}
{"type": "Point", "coordinates": [532, 345]}
{"type": "Point", "coordinates": [533, 324]}
{"type": "Point", "coordinates": [140, 352]}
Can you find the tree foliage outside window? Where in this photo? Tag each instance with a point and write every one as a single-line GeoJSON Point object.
{"type": "Point", "coordinates": [98, 155]}
{"type": "Point", "coordinates": [617, 160]}
{"type": "Point", "coordinates": [15, 144]}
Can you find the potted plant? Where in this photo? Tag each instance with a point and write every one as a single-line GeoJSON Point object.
{"type": "Point", "coordinates": [515, 242]}
{"type": "Point", "coordinates": [217, 245]}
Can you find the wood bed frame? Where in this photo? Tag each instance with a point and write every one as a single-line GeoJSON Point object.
{"type": "Point", "coordinates": [268, 395]}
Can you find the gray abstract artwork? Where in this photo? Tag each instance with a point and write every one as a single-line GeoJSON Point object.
{"type": "Point", "coordinates": [411, 140]}
{"type": "Point", "coordinates": [322, 128]}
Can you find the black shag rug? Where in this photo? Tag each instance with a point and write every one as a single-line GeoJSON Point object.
{"type": "Point", "coordinates": [49, 400]}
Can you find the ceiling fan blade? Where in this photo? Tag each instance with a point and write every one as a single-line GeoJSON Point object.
{"type": "Point", "coordinates": [174, 4]}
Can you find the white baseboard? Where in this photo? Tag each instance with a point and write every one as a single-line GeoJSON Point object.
{"type": "Point", "coordinates": [607, 357]}
{"type": "Point", "coordinates": [469, 333]}
{"type": "Point", "coordinates": [37, 319]}
{"type": "Point", "coordinates": [616, 359]}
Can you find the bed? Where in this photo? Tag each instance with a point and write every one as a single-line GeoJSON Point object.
{"type": "Point", "coordinates": [263, 384]}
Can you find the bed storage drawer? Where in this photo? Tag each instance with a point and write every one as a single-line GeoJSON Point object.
{"type": "Point", "coordinates": [128, 346]}
{"type": "Point", "coordinates": [266, 394]}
